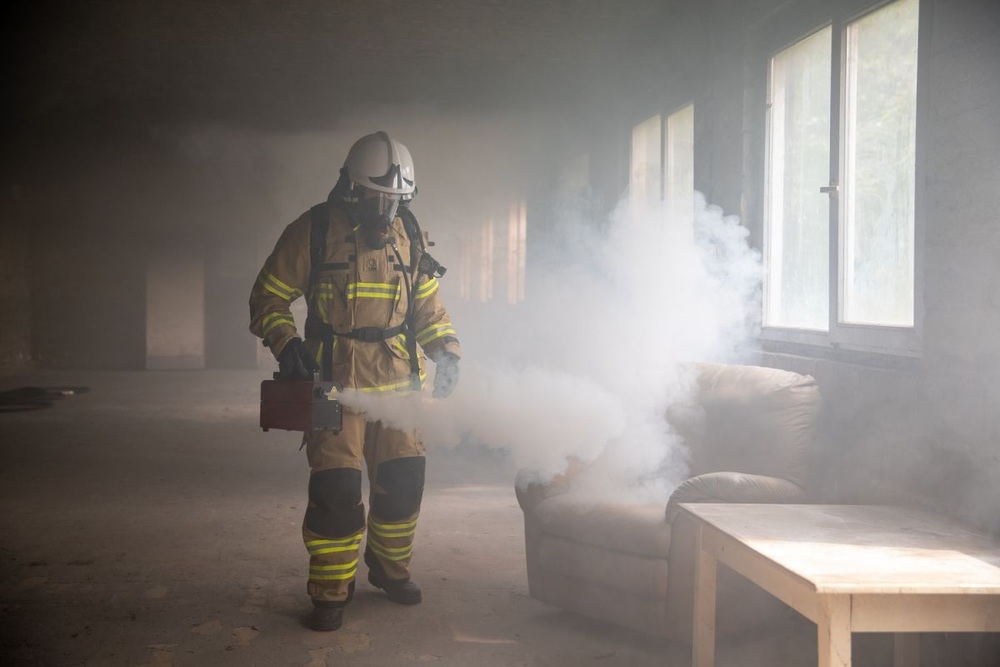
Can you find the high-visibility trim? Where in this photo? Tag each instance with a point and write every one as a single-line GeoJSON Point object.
{"type": "Point", "coordinates": [391, 526]}
{"type": "Point", "coordinates": [272, 321]}
{"type": "Point", "coordinates": [391, 530]}
{"type": "Point", "coordinates": [319, 350]}
{"type": "Point", "coordinates": [272, 284]}
{"type": "Point", "coordinates": [394, 386]}
{"type": "Point", "coordinates": [333, 572]}
{"type": "Point", "coordinates": [373, 290]}
{"type": "Point", "coordinates": [391, 554]}
{"type": "Point", "coordinates": [435, 331]}
{"type": "Point", "coordinates": [399, 342]}
{"type": "Point", "coordinates": [428, 288]}
{"type": "Point", "coordinates": [317, 547]}
{"type": "Point", "coordinates": [389, 534]}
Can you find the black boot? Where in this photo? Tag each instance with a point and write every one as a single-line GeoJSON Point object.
{"type": "Point", "coordinates": [326, 616]}
{"type": "Point", "coordinates": [401, 591]}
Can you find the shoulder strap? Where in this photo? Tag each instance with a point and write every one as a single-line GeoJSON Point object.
{"type": "Point", "coordinates": [317, 240]}
{"type": "Point", "coordinates": [419, 257]}
{"type": "Point", "coordinates": [320, 217]}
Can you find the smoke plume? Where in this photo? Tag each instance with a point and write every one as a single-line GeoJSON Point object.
{"type": "Point", "coordinates": [586, 366]}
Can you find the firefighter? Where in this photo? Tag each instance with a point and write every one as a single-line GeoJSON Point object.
{"type": "Point", "coordinates": [372, 293]}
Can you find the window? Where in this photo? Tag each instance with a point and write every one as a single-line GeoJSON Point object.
{"type": "Point", "coordinates": [517, 241]}
{"type": "Point", "coordinates": [678, 173]}
{"type": "Point", "coordinates": [647, 161]}
{"type": "Point", "coordinates": [492, 260]}
{"type": "Point", "coordinates": [840, 214]}
{"type": "Point", "coordinates": [797, 214]}
{"type": "Point", "coordinates": [477, 263]}
{"type": "Point", "coordinates": [662, 165]}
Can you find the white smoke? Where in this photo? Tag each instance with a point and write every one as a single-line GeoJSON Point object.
{"type": "Point", "coordinates": [586, 367]}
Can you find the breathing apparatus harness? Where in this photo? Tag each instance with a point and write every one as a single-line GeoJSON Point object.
{"type": "Point", "coordinates": [420, 263]}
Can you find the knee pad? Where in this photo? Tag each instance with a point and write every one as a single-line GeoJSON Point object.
{"type": "Point", "coordinates": [403, 483]}
{"type": "Point", "coordinates": [335, 508]}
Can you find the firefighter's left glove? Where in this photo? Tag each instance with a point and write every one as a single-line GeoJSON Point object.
{"type": "Point", "coordinates": [445, 375]}
{"type": "Point", "coordinates": [295, 362]}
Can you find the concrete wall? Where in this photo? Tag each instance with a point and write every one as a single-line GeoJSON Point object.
{"type": "Point", "coordinates": [926, 431]}
{"type": "Point", "coordinates": [15, 281]}
{"type": "Point", "coordinates": [921, 431]}
{"type": "Point", "coordinates": [897, 429]}
{"type": "Point", "coordinates": [175, 309]}
{"type": "Point", "coordinates": [147, 240]}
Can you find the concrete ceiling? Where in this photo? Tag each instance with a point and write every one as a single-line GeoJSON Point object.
{"type": "Point", "coordinates": [303, 62]}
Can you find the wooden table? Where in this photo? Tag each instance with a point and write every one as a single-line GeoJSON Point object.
{"type": "Point", "coordinates": [850, 568]}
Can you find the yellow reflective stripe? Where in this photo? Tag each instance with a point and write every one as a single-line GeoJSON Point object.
{"type": "Point", "coordinates": [391, 530]}
{"type": "Point", "coordinates": [391, 526]}
{"type": "Point", "coordinates": [399, 342]}
{"type": "Point", "coordinates": [319, 350]}
{"type": "Point", "coordinates": [322, 569]}
{"type": "Point", "coordinates": [333, 574]}
{"type": "Point", "coordinates": [343, 540]}
{"type": "Point", "coordinates": [389, 534]}
{"type": "Point", "coordinates": [372, 291]}
{"type": "Point", "coordinates": [435, 331]}
{"type": "Point", "coordinates": [428, 288]}
{"type": "Point", "coordinates": [273, 285]}
{"type": "Point", "coordinates": [274, 320]}
{"type": "Point", "coordinates": [402, 554]}
{"type": "Point", "coordinates": [395, 551]}
{"type": "Point", "coordinates": [402, 384]}
{"type": "Point", "coordinates": [334, 546]}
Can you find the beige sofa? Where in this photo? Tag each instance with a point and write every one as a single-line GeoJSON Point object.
{"type": "Point", "coordinates": [749, 431]}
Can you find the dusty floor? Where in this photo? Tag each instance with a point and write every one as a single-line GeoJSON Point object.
{"type": "Point", "coordinates": [150, 522]}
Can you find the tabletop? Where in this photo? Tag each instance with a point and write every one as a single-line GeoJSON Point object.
{"type": "Point", "coordinates": [863, 549]}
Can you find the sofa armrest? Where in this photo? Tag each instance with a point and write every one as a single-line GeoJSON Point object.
{"type": "Point", "coordinates": [733, 487]}
{"type": "Point", "coordinates": [531, 488]}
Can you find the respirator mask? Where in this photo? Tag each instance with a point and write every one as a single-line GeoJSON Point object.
{"type": "Point", "coordinates": [375, 212]}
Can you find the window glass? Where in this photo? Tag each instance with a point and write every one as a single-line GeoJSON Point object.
{"type": "Point", "coordinates": [797, 215]}
{"type": "Point", "coordinates": [517, 241]}
{"type": "Point", "coordinates": [678, 176]}
{"type": "Point", "coordinates": [880, 93]}
{"type": "Point", "coordinates": [646, 163]}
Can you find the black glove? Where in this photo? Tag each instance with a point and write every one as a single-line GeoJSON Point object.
{"type": "Point", "coordinates": [295, 362]}
{"type": "Point", "coordinates": [445, 375]}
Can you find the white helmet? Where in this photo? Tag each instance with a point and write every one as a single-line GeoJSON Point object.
{"type": "Point", "coordinates": [381, 164]}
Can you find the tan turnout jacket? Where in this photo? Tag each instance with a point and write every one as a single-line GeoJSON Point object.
{"type": "Point", "coordinates": [356, 287]}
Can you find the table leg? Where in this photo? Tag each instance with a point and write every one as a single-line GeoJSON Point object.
{"type": "Point", "coordinates": [834, 628]}
{"type": "Point", "coordinates": [906, 649]}
{"type": "Point", "coordinates": [705, 570]}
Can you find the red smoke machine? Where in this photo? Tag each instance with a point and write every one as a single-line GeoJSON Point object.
{"type": "Point", "coordinates": [300, 405]}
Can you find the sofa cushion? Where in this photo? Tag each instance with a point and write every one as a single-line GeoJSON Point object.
{"type": "Point", "coordinates": [627, 528]}
{"type": "Point", "coordinates": [749, 419]}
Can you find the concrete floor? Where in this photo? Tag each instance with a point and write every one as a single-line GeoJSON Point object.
{"type": "Point", "coordinates": [151, 522]}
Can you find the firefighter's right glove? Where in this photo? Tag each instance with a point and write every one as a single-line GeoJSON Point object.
{"type": "Point", "coordinates": [295, 362]}
{"type": "Point", "coordinates": [445, 375]}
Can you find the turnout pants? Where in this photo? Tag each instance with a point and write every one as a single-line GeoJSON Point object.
{"type": "Point", "coordinates": [334, 522]}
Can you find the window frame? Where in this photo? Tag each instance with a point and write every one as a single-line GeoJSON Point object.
{"type": "Point", "coordinates": [663, 114]}
{"type": "Point", "coordinates": [764, 43]}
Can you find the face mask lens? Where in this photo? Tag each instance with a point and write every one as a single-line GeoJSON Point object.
{"type": "Point", "coordinates": [379, 206]}
{"type": "Point", "coordinates": [388, 206]}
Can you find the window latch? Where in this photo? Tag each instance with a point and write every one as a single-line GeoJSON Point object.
{"type": "Point", "coordinates": [831, 189]}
